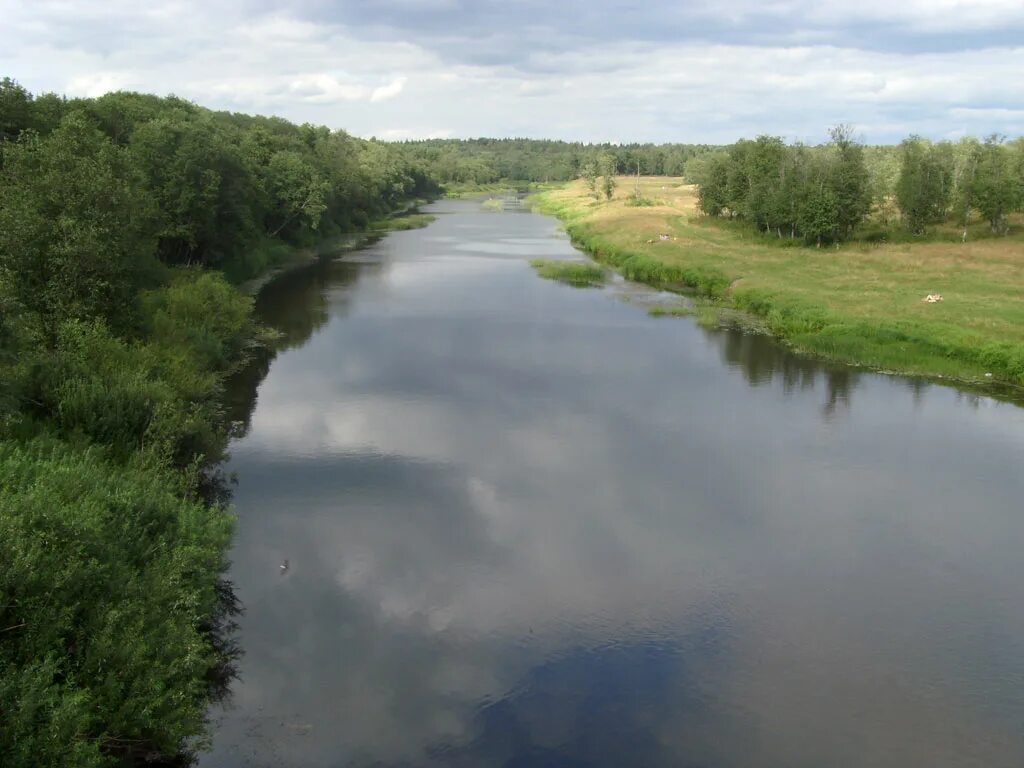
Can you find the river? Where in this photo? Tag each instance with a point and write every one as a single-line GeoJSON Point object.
{"type": "Point", "coordinates": [530, 525]}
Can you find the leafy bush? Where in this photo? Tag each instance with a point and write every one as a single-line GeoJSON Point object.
{"type": "Point", "coordinates": [639, 201]}
{"type": "Point", "coordinates": [114, 393]}
{"type": "Point", "coordinates": [108, 583]}
{"type": "Point", "coordinates": [202, 313]}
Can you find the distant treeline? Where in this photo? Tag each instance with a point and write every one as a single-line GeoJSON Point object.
{"type": "Point", "coordinates": [119, 219]}
{"type": "Point", "coordinates": [823, 194]}
{"type": "Point", "coordinates": [485, 161]}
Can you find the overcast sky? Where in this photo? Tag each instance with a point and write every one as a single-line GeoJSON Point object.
{"type": "Point", "coordinates": [604, 70]}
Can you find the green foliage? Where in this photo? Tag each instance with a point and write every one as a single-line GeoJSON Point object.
{"type": "Point", "coordinates": [712, 195]}
{"type": "Point", "coordinates": [608, 169]}
{"type": "Point", "coordinates": [820, 194]}
{"type": "Point", "coordinates": [208, 203]}
{"type": "Point", "coordinates": [639, 201]}
{"type": "Point", "coordinates": [107, 578]}
{"type": "Point", "coordinates": [997, 186]}
{"type": "Point", "coordinates": [641, 268]}
{"type": "Point", "coordinates": [575, 273]}
{"type": "Point", "coordinates": [766, 162]}
{"type": "Point", "coordinates": [825, 194]}
{"type": "Point", "coordinates": [590, 174]}
{"type": "Point", "coordinates": [417, 220]}
{"type": "Point", "coordinates": [15, 109]}
{"type": "Point", "coordinates": [925, 186]}
{"type": "Point", "coordinates": [482, 161]}
{"type": "Point", "coordinates": [207, 188]}
{"type": "Point", "coordinates": [74, 240]}
{"type": "Point", "coordinates": [847, 176]}
{"type": "Point", "coordinates": [132, 398]}
{"type": "Point", "coordinates": [299, 188]}
{"type": "Point", "coordinates": [818, 215]}
{"type": "Point", "coordinates": [201, 314]}
{"type": "Point", "coordinates": [661, 310]}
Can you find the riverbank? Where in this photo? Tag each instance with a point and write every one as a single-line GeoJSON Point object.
{"type": "Point", "coordinates": [464, 190]}
{"type": "Point", "coordinates": [860, 303]}
{"type": "Point", "coordinates": [405, 218]}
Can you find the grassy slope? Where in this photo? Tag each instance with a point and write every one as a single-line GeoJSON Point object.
{"type": "Point", "coordinates": [860, 303]}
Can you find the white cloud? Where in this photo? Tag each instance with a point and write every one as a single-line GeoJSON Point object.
{"type": "Point", "coordinates": [641, 84]}
{"type": "Point", "coordinates": [326, 89]}
{"type": "Point", "coordinates": [388, 91]}
{"type": "Point", "coordinates": [98, 83]}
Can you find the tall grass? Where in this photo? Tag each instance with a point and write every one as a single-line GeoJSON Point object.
{"type": "Point", "coordinates": [401, 223]}
{"type": "Point", "coordinates": [574, 273]}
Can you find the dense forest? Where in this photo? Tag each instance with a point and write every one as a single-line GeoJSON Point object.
{"type": "Point", "coordinates": [485, 161]}
{"type": "Point", "coordinates": [124, 221]}
{"type": "Point", "coordinates": [823, 194]}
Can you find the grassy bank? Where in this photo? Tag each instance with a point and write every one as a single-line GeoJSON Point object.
{"type": "Point", "coordinates": [860, 303]}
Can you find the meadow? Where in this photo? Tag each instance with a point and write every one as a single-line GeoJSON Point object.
{"type": "Point", "coordinates": [861, 302]}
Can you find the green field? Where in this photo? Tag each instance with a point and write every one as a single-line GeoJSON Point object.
{"type": "Point", "coordinates": [860, 303]}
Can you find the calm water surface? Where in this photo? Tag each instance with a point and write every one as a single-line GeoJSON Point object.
{"type": "Point", "coordinates": [530, 525]}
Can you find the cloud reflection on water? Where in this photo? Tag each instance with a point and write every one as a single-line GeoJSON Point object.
{"type": "Point", "coordinates": [531, 525]}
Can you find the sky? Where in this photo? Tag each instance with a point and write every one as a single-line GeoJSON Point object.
{"type": "Point", "coordinates": [604, 70]}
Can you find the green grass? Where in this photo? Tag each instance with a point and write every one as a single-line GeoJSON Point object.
{"type": "Point", "coordinates": [662, 311]}
{"type": "Point", "coordinates": [640, 202]}
{"type": "Point", "coordinates": [403, 222]}
{"type": "Point", "coordinates": [860, 303]}
{"type": "Point", "coordinates": [575, 273]}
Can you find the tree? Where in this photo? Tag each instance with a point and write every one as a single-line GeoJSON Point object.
{"type": "Point", "coordinates": [925, 184]}
{"type": "Point", "coordinates": [74, 226]}
{"type": "Point", "coordinates": [791, 190]}
{"type": "Point", "coordinates": [590, 175]}
{"type": "Point", "coordinates": [967, 155]}
{"type": "Point", "coordinates": [996, 189]}
{"type": "Point", "coordinates": [608, 167]}
{"type": "Point", "coordinates": [713, 178]}
{"type": "Point", "coordinates": [765, 161]}
{"type": "Point", "coordinates": [298, 190]}
{"type": "Point", "coordinates": [15, 109]}
{"type": "Point", "coordinates": [818, 219]}
{"type": "Point", "coordinates": [738, 182]}
{"type": "Point", "coordinates": [849, 181]}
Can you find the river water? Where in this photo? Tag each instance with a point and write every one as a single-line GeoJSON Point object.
{"type": "Point", "coordinates": [530, 525]}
